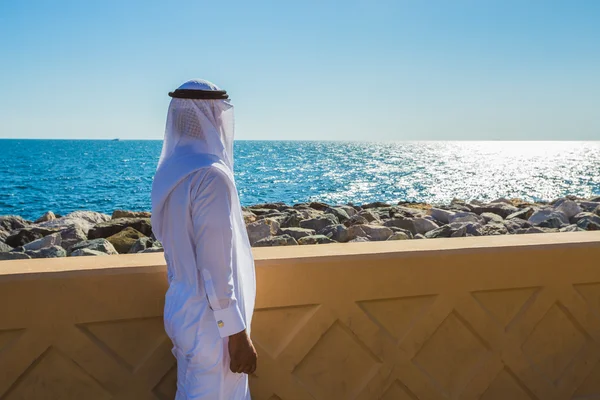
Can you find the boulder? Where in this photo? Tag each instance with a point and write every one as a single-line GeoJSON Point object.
{"type": "Point", "coordinates": [297, 233]}
{"type": "Point", "coordinates": [319, 222]}
{"type": "Point", "coordinates": [114, 226]}
{"type": "Point", "coordinates": [441, 215]}
{"type": "Point", "coordinates": [86, 252]}
{"type": "Point", "coordinates": [5, 256]}
{"type": "Point", "coordinates": [414, 225]}
{"type": "Point", "coordinates": [338, 212]}
{"type": "Point", "coordinates": [359, 239]}
{"type": "Point", "coordinates": [568, 208]}
{"type": "Point", "coordinates": [23, 236]}
{"type": "Point", "coordinates": [262, 229]}
{"type": "Point", "coordinates": [597, 211]}
{"type": "Point", "coordinates": [351, 211]}
{"type": "Point", "coordinates": [71, 236]}
{"type": "Point", "coordinates": [369, 215]}
{"type": "Point", "coordinates": [399, 236]}
{"type": "Point", "coordinates": [338, 233]}
{"type": "Point", "coordinates": [589, 206]}
{"type": "Point", "coordinates": [101, 245]}
{"type": "Point", "coordinates": [130, 214]}
{"type": "Point", "coordinates": [140, 245]}
{"type": "Point", "coordinates": [153, 250]}
{"type": "Point", "coordinates": [49, 216]}
{"type": "Point", "coordinates": [268, 206]}
{"type": "Point", "coordinates": [373, 233]}
{"type": "Point", "coordinates": [281, 240]}
{"type": "Point", "coordinates": [547, 217]}
{"type": "Point", "coordinates": [405, 212]}
{"type": "Point", "coordinates": [316, 205]}
{"type": "Point", "coordinates": [377, 204]}
{"type": "Point", "coordinates": [261, 211]}
{"type": "Point", "coordinates": [571, 228]}
{"type": "Point", "coordinates": [315, 239]}
{"type": "Point", "coordinates": [534, 229]}
{"type": "Point", "coordinates": [588, 221]}
{"type": "Point", "coordinates": [490, 217]}
{"type": "Point", "coordinates": [10, 223]}
{"type": "Point", "coordinates": [513, 225]}
{"type": "Point", "coordinates": [292, 220]}
{"type": "Point", "coordinates": [3, 234]}
{"type": "Point", "coordinates": [524, 213]}
{"type": "Point", "coordinates": [455, 229]}
{"type": "Point", "coordinates": [83, 220]}
{"type": "Point", "coordinates": [47, 252]}
{"type": "Point", "coordinates": [47, 241]}
{"type": "Point", "coordinates": [356, 220]}
{"type": "Point", "coordinates": [502, 209]}
{"type": "Point", "coordinates": [419, 236]}
{"type": "Point", "coordinates": [4, 247]}
{"type": "Point", "coordinates": [249, 216]}
{"type": "Point", "coordinates": [467, 217]}
{"type": "Point", "coordinates": [125, 239]}
{"type": "Point", "coordinates": [494, 228]}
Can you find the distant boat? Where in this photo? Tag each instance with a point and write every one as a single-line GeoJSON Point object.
{"type": "Point", "coordinates": [116, 140]}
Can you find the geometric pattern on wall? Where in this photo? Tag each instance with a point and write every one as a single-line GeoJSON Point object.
{"type": "Point", "coordinates": [504, 305]}
{"type": "Point", "coordinates": [397, 316]}
{"type": "Point", "coordinates": [274, 328]}
{"type": "Point", "coordinates": [54, 376]}
{"type": "Point", "coordinates": [130, 342]}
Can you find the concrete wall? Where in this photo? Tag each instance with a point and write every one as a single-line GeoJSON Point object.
{"type": "Point", "coordinates": [507, 317]}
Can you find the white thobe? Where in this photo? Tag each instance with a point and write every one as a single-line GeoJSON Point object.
{"type": "Point", "coordinates": [211, 275]}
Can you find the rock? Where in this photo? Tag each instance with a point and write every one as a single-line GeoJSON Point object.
{"type": "Point", "coordinates": [262, 229]}
{"type": "Point", "coordinates": [373, 233]}
{"type": "Point", "coordinates": [297, 233]}
{"type": "Point", "coordinates": [455, 229]}
{"type": "Point", "coordinates": [130, 214]}
{"type": "Point", "coordinates": [399, 236]}
{"type": "Point", "coordinates": [319, 222]}
{"type": "Point", "coordinates": [282, 240]}
{"type": "Point", "coordinates": [23, 236]}
{"type": "Point", "coordinates": [441, 215]}
{"type": "Point", "coordinates": [589, 206]}
{"type": "Point", "coordinates": [315, 239]}
{"type": "Point", "coordinates": [597, 211]}
{"type": "Point", "coordinates": [48, 252]}
{"type": "Point", "coordinates": [548, 217]}
{"type": "Point", "coordinates": [125, 239]}
{"type": "Point", "coordinates": [3, 234]}
{"type": "Point", "coordinates": [261, 211]}
{"type": "Point", "coordinates": [569, 208]}
{"type": "Point", "coordinates": [140, 245]}
{"type": "Point", "coordinates": [87, 252]}
{"type": "Point", "coordinates": [4, 247]}
{"type": "Point", "coordinates": [71, 236]}
{"type": "Point", "coordinates": [405, 212]}
{"type": "Point", "coordinates": [49, 216]}
{"type": "Point", "coordinates": [513, 225]}
{"type": "Point", "coordinates": [571, 228]}
{"type": "Point", "coordinates": [101, 245]}
{"type": "Point", "coordinates": [356, 220]}
{"type": "Point", "coordinates": [414, 225]}
{"type": "Point", "coordinates": [316, 205]}
{"type": "Point", "coordinates": [83, 220]}
{"type": "Point", "coordinates": [535, 229]}
{"type": "Point", "coordinates": [337, 232]}
{"type": "Point", "coordinates": [400, 230]}
{"type": "Point", "coordinates": [377, 204]}
{"type": "Point", "coordinates": [419, 236]}
{"type": "Point", "coordinates": [249, 216]}
{"type": "Point", "coordinates": [502, 200]}
{"type": "Point", "coordinates": [153, 250]}
{"type": "Point", "coordinates": [490, 217]}
{"type": "Point", "coordinates": [494, 228]}
{"type": "Point", "coordinates": [370, 216]}
{"type": "Point", "coordinates": [268, 206]}
{"type": "Point", "coordinates": [47, 241]}
{"type": "Point", "coordinates": [502, 209]}
{"type": "Point", "coordinates": [338, 212]}
{"type": "Point", "coordinates": [10, 223]}
{"type": "Point", "coordinates": [525, 213]}
{"type": "Point", "coordinates": [588, 221]}
{"type": "Point", "coordinates": [5, 256]}
{"type": "Point", "coordinates": [351, 211]}
{"type": "Point", "coordinates": [359, 239]}
{"type": "Point", "coordinates": [467, 217]}
{"type": "Point", "coordinates": [114, 226]}
{"type": "Point", "coordinates": [292, 220]}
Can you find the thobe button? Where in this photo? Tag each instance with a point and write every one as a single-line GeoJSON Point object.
{"type": "Point", "coordinates": [220, 324]}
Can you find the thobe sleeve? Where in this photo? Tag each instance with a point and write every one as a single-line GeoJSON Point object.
{"type": "Point", "coordinates": [213, 238]}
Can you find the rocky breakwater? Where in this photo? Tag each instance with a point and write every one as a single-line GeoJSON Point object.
{"type": "Point", "coordinates": [276, 224]}
{"type": "Point", "coordinates": [87, 233]}
{"type": "Point", "coordinates": [81, 233]}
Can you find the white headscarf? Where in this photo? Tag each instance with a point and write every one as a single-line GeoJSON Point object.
{"type": "Point", "coordinates": [199, 127]}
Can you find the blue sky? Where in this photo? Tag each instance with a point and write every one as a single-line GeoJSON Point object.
{"type": "Point", "coordinates": [352, 70]}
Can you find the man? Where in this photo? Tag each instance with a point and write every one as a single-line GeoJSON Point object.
{"type": "Point", "coordinates": [196, 214]}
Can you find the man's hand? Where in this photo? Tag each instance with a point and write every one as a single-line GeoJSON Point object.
{"type": "Point", "coordinates": [242, 353]}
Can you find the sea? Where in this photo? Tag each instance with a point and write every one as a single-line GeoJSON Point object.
{"type": "Point", "coordinates": [67, 175]}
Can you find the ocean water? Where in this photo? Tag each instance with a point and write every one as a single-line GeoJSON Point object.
{"type": "Point", "coordinates": [67, 175]}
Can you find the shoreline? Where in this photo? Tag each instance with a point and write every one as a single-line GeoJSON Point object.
{"type": "Point", "coordinates": [89, 233]}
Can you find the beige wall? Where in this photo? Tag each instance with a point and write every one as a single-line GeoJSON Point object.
{"type": "Point", "coordinates": [507, 317]}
